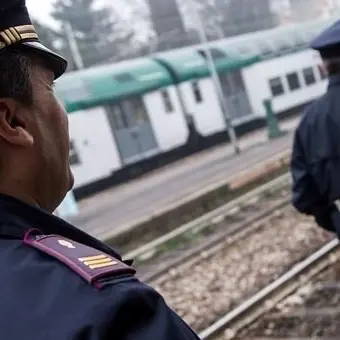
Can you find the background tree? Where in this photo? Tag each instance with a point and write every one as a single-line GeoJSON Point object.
{"type": "Point", "coordinates": [47, 35]}
{"type": "Point", "coordinates": [99, 32]}
{"type": "Point", "coordinates": [212, 18]}
{"type": "Point", "coordinates": [246, 16]}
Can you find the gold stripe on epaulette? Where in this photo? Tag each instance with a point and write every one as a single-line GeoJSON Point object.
{"type": "Point", "coordinates": [90, 258]}
{"type": "Point", "coordinates": [13, 35]}
{"type": "Point", "coordinates": [98, 261]}
{"type": "Point", "coordinates": [90, 263]}
{"type": "Point", "coordinates": [103, 265]}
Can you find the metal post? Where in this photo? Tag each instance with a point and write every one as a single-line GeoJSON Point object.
{"type": "Point", "coordinates": [216, 80]}
{"type": "Point", "coordinates": [73, 46]}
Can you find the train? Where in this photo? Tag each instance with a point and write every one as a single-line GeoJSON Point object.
{"type": "Point", "coordinates": [129, 117]}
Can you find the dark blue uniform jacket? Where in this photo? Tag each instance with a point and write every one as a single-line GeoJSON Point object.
{"type": "Point", "coordinates": [315, 163]}
{"type": "Point", "coordinates": [41, 298]}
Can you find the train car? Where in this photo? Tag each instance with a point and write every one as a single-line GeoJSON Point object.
{"type": "Point", "coordinates": [200, 102]}
{"type": "Point", "coordinates": [130, 114]}
{"type": "Point", "coordinates": [119, 115]}
{"type": "Point", "coordinates": [247, 67]}
{"type": "Point", "coordinates": [289, 72]}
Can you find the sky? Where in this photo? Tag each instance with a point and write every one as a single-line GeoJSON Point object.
{"type": "Point", "coordinates": [40, 9]}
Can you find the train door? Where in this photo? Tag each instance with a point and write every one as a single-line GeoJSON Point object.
{"type": "Point", "coordinates": [132, 130]}
{"type": "Point", "coordinates": [236, 97]}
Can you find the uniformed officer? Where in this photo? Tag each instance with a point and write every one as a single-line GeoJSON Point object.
{"type": "Point", "coordinates": [56, 282]}
{"type": "Point", "coordinates": [315, 163]}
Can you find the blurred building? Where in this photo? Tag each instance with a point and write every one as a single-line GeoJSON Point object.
{"type": "Point", "coordinates": [244, 16]}
{"type": "Point", "coordinates": [303, 10]}
{"type": "Point", "coordinates": [168, 24]}
{"type": "Point", "coordinates": [173, 21]}
{"type": "Point", "coordinates": [290, 11]}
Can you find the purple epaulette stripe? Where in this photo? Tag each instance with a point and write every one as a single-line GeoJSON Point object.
{"type": "Point", "coordinates": [89, 263]}
{"type": "Point", "coordinates": [60, 257]}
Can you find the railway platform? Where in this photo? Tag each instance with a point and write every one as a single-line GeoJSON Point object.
{"type": "Point", "coordinates": [125, 206]}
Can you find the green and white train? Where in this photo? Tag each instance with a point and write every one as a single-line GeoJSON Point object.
{"type": "Point", "coordinates": [128, 116]}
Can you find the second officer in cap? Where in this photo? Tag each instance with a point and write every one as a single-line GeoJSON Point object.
{"type": "Point", "coordinates": [315, 163]}
{"type": "Point", "coordinates": [56, 282]}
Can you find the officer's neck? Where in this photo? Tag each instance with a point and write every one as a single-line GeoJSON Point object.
{"type": "Point", "coordinates": [16, 191]}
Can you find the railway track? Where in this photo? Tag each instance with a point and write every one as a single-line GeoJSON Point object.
{"type": "Point", "coordinates": [218, 279]}
{"type": "Point", "coordinates": [233, 219]}
{"type": "Point", "coordinates": [275, 321]}
{"type": "Point", "coordinates": [216, 262]}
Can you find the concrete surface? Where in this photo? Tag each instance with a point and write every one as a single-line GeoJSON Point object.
{"type": "Point", "coordinates": [133, 201]}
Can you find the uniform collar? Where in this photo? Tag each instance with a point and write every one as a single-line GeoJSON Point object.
{"type": "Point", "coordinates": [17, 217]}
{"type": "Point", "coordinates": [334, 80]}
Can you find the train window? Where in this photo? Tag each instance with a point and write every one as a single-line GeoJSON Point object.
{"type": "Point", "coordinates": [244, 49]}
{"type": "Point", "coordinates": [309, 76]}
{"type": "Point", "coordinates": [123, 77]}
{"type": "Point", "coordinates": [322, 72]}
{"type": "Point", "coordinates": [282, 45]}
{"type": "Point", "coordinates": [215, 54]}
{"type": "Point", "coordinates": [299, 41]}
{"type": "Point", "coordinates": [264, 48]}
{"type": "Point", "coordinates": [135, 111]}
{"type": "Point", "coordinates": [74, 157]}
{"type": "Point", "coordinates": [293, 81]}
{"type": "Point", "coordinates": [197, 92]}
{"type": "Point", "coordinates": [117, 117]}
{"type": "Point", "coordinates": [276, 86]}
{"type": "Point", "coordinates": [167, 101]}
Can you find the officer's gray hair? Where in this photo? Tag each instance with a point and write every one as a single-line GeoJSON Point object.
{"type": "Point", "coordinates": [15, 79]}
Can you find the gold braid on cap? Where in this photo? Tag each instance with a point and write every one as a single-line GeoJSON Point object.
{"type": "Point", "coordinates": [14, 35]}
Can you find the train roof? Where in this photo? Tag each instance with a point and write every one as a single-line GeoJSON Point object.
{"type": "Point", "coordinates": [95, 85]}
{"type": "Point", "coordinates": [189, 63]}
{"type": "Point", "coordinates": [85, 88]}
{"type": "Point", "coordinates": [240, 51]}
{"type": "Point", "coordinates": [279, 41]}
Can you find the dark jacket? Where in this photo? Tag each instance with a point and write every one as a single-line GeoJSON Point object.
{"type": "Point", "coordinates": [315, 164]}
{"type": "Point", "coordinates": [45, 294]}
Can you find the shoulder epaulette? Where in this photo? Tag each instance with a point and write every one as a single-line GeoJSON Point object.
{"type": "Point", "coordinates": [89, 263]}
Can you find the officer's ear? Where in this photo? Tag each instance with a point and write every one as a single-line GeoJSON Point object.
{"type": "Point", "coordinates": [14, 123]}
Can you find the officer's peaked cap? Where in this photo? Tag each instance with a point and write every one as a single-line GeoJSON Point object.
{"type": "Point", "coordinates": [16, 29]}
{"type": "Point", "coordinates": [328, 42]}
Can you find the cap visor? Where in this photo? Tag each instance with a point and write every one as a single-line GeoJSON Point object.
{"type": "Point", "coordinates": [56, 62]}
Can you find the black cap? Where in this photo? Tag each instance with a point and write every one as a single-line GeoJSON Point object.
{"type": "Point", "coordinates": [16, 28]}
{"type": "Point", "coordinates": [328, 42]}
